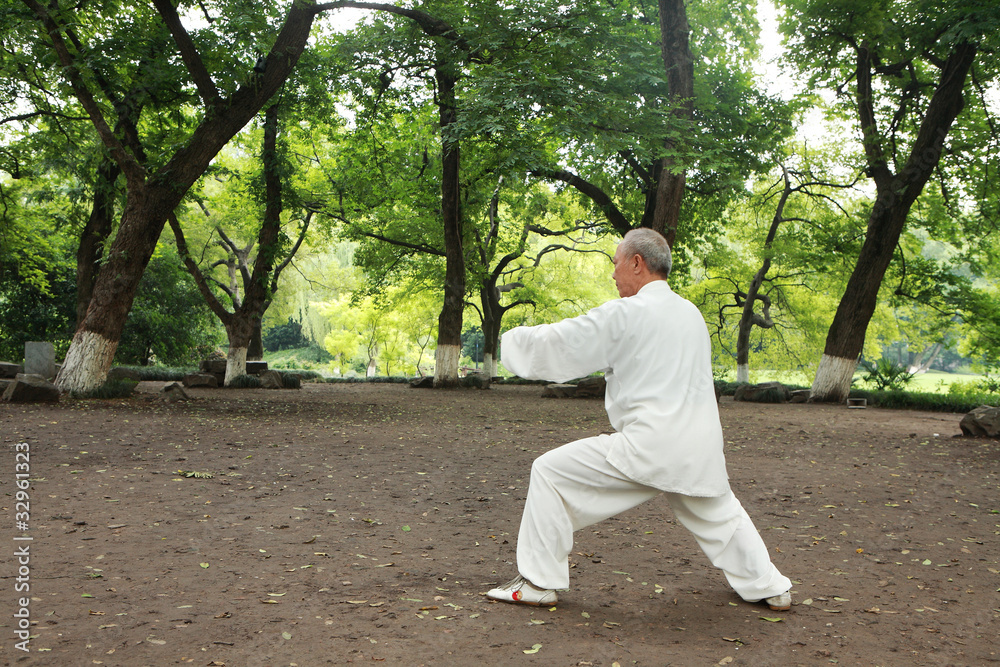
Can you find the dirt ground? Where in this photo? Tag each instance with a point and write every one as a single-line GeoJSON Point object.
{"type": "Point", "coordinates": [363, 523]}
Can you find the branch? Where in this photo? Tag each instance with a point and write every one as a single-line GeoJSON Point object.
{"type": "Point", "coordinates": [34, 114]}
{"type": "Point", "coordinates": [552, 248]}
{"type": "Point", "coordinates": [419, 247]}
{"type": "Point", "coordinates": [431, 25]}
{"type": "Point", "coordinates": [128, 163]}
{"type": "Point", "coordinates": [199, 278]}
{"type": "Point", "coordinates": [866, 113]}
{"type": "Point", "coordinates": [291, 253]}
{"type": "Point", "coordinates": [189, 53]}
{"type": "Point", "coordinates": [596, 194]}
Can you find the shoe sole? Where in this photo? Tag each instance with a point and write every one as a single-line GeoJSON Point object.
{"type": "Point", "coordinates": [775, 608]}
{"type": "Point", "coordinates": [530, 604]}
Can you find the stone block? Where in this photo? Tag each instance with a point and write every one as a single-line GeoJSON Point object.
{"type": "Point", "coordinates": [271, 379]}
{"type": "Point", "coordinates": [40, 359]}
{"type": "Point", "coordinates": [174, 392]}
{"type": "Point", "coordinates": [9, 370]}
{"type": "Point", "coordinates": [31, 389]}
{"type": "Point", "coordinates": [984, 421]}
{"type": "Point", "coordinates": [256, 367]}
{"type": "Point", "coordinates": [800, 396]}
{"type": "Point", "coordinates": [767, 392]}
{"type": "Point", "coordinates": [559, 391]}
{"type": "Point", "coordinates": [591, 387]}
{"type": "Point", "coordinates": [200, 380]}
{"type": "Point", "coordinates": [214, 366]}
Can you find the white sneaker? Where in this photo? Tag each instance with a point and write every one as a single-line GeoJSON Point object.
{"type": "Point", "coordinates": [520, 591]}
{"type": "Point", "coordinates": [781, 602]}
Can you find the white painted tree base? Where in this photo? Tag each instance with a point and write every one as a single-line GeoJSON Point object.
{"type": "Point", "coordinates": [489, 366]}
{"type": "Point", "coordinates": [743, 373]}
{"type": "Point", "coordinates": [87, 362]}
{"type": "Point", "coordinates": [833, 379]}
{"type": "Point", "coordinates": [236, 364]}
{"type": "Point", "coordinates": [446, 365]}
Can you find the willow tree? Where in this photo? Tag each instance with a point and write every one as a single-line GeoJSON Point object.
{"type": "Point", "coordinates": [903, 70]}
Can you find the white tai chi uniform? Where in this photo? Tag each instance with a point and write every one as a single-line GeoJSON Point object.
{"type": "Point", "coordinates": [655, 352]}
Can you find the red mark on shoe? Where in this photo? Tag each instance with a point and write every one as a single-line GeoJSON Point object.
{"type": "Point", "coordinates": [516, 595]}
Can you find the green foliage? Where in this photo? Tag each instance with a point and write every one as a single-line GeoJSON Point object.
{"type": "Point", "coordinates": [285, 337]}
{"type": "Point", "coordinates": [291, 380]}
{"type": "Point", "coordinates": [885, 374]}
{"type": "Point", "coordinates": [169, 322]}
{"type": "Point", "coordinates": [472, 344]}
{"type": "Point", "coordinates": [925, 401]}
{"type": "Point", "coordinates": [161, 373]}
{"type": "Point", "coordinates": [30, 313]}
{"type": "Point", "coordinates": [110, 389]}
{"type": "Point", "coordinates": [245, 382]}
{"type": "Point", "coordinates": [310, 357]}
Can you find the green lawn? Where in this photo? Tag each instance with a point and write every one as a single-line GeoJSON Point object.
{"type": "Point", "coordinates": [930, 382]}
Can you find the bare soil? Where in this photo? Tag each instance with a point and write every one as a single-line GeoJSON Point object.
{"type": "Point", "coordinates": [363, 523]}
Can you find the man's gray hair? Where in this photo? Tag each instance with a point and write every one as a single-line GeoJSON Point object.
{"type": "Point", "coordinates": [651, 246]}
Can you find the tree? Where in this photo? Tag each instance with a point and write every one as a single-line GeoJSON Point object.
{"type": "Point", "coordinates": [908, 65]}
{"type": "Point", "coordinates": [259, 282]}
{"type": "Point", "coordinates": [681, 119]}
{"type": "Point", "coordinates": [792, 183]}
{"type": "Point", "coordinates": [152, 191]}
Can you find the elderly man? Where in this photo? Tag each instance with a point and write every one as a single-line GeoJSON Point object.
{"type": "Point", "coordinates": [654, 349]}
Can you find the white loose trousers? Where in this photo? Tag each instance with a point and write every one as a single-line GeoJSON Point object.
{"type": "Point", "coordinates": [574, 486]}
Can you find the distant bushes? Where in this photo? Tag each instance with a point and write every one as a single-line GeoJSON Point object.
{"type": "Point", "coordinates": [917, 400]}
{"type": "Point", "coordinates": [161, 373]}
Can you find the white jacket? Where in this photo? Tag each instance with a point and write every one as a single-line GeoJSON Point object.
{"type": "Point", "coordinates": [656, 356]}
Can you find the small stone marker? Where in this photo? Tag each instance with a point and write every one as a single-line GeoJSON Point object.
{"type": "Point", "coordinates": [559, 391]}
{"type": "Point", "coordinates": [271, 380]}
{"type": "Point", "coordinates": [174, 392]}
{"type": "Point", "coordinates": [40, 359]}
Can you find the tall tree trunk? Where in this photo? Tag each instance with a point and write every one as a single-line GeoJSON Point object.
{"type": "Point", "coordinates": [449, 341]}
{"type": "Point", "coordinates": [255, 348]}
{"type": "Point", "coordinates": [96, 340]}
{"type": "Point", "coordinates": [895, 195]}
{"type": "Point", "coordinates": [95, 234]}
{"type": "Point", "coordinates": [679, 66]}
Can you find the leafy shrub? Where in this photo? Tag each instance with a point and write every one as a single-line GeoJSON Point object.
{"type": "Point", "coordinates": [161, 373]}
{"type": "Point", "coordinates": [885, 374]}
{"type": "Point", "coordinates": [915, 400]}
{"type": "Point", "coordinates": [110, 389]}
{"type": "Point", "coordinates": [245, 382]}
{"type": "Point", "coordinates": [291, 380]}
